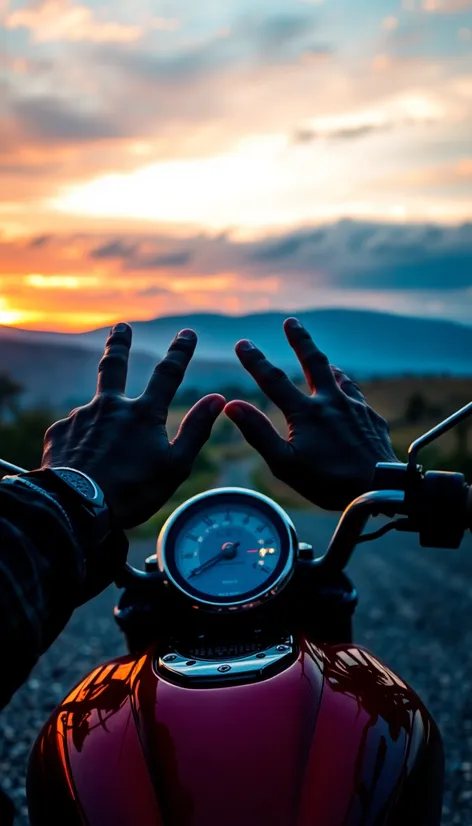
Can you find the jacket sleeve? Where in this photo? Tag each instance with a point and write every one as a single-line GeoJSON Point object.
{"type": "Point", "coordinates": [41, 570]}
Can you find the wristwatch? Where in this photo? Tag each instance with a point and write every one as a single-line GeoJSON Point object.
{"type": "Point", "coordinates": [81, 496]}
{"type": "Point", "coordinates": [103, 542]}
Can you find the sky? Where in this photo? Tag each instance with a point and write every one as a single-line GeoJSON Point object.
{"type": "Point", "coordinates": [172, 157]}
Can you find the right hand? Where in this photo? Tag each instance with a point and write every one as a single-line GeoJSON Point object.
{"type": "Point", "coordinates": [335, 439]}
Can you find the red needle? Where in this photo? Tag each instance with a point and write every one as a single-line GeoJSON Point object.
{"type": "Point", "coordinates": [253, 552]}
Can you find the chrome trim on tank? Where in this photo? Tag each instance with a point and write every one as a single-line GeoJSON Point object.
{"type": "Point", "coordinates": [249, 667]}
{"type": "Point", "coordinates": [265, 593]}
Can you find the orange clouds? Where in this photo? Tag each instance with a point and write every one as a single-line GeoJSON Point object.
{"type": "Point", "coordinates": [75, 283]}
{"type": "Point", "coordinates": [67, 21]}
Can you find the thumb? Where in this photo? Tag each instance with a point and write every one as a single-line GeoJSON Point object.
{"type": "Point", "coordinates": [197, 425]}
{"type": "Point", "coordinates": [258, 430]}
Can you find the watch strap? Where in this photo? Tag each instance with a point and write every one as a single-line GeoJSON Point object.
{"type": "Point", "coordinates": [82, 499]}
{"type": "Point", "coordinates": [74, 482]}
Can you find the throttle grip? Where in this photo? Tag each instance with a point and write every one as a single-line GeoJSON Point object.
{"type": "Point", "coordinates": [468, 508]}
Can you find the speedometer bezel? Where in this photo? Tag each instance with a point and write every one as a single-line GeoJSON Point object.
{"type": "Point", "coordinates": [252, 599]}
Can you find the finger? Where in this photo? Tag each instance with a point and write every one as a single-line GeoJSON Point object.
{"type": "Point", "coordinates": [169, 373]}
{"type": "Point", "coordinates": [313, 361]}
{"type": "Point", "coordinates": [197, 425]}
{"type": "Point", "coordinates": [273, 381]}
{"type": "Point", "coordinates": [347, 385]}
{"type": "Point", "coordinates": [258, 430]}
{"type": "Point", "coordinates": [113, 367]}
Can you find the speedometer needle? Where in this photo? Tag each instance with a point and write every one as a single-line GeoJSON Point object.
{"type": "Point", "coordinates": [228, 551]}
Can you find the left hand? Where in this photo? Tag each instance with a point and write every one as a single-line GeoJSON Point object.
{"type": "Point", "coordinates": [122, 443]}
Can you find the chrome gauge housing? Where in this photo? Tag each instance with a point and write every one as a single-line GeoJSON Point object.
{"type": "Point", "coordinates": [228, 549]}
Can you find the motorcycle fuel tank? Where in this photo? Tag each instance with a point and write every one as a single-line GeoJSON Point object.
{"type": "Point", "coordinates": [334, 739]}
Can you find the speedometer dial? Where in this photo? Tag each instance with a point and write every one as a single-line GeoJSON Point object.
{"type": "Point", "coordinates": [227, 551]}
{"type": "Point", "coordinates": [227, 548]}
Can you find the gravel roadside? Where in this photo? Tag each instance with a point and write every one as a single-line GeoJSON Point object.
{"type": "Point", "coordinates": [415, 614]}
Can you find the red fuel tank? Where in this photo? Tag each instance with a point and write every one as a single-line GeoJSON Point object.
{"type": "Point", "coordinates": [336, 739]}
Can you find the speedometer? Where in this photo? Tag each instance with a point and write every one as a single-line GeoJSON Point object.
{"type": "Point", "coordinates": [228, 548]}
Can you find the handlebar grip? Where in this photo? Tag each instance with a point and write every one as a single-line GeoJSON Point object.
{"type": "Point", "coordinates": [468, 512]}
{"type": "Point", "coordinates": [437, 506]}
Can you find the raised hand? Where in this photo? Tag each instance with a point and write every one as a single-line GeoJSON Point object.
{"type": "Point", "coordinates": [122, 443]}
{"type": "Point", "coordinates": [334, 438]}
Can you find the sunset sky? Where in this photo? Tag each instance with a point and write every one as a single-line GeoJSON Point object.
{"type": "Point", "coordinates": [178, 156]}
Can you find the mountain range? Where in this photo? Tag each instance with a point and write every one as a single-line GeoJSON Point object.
{"type": "Point", "coordinates": [60, 369]}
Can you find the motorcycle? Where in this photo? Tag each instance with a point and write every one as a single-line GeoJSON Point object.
{"type": "Point", "coordinates": [243, 698]}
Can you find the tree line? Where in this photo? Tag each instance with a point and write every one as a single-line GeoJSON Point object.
{"type": "Point", "coordinates": [21, 430]}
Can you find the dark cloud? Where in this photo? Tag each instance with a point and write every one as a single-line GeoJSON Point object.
{"type": "Point", "coordinates": [40, 241]}
{"type": "Point", "coordinates": [136, 256]}
{"type": "Point", "coordinates": [381, 256]}
{"type": "Point", "coordinates": [179, 68]}
{"type": "Point", "coordinates": [352, 133]}
{"type": "Point", "coordinates": [344, 134]}
{"type": "Point", "coordinates": [252, 40]}
{"type": "Point", "coordinates": [52, 119]}
{"type": "Point", "coordinates": [165, 261]}
{"type": "Point", "coordinates": [113, 249]}
{"type": "Point", "coordinates": [149, 292]}
{"type": "Point", "coordinates": [452, 272]}
{"type": "Point", "coordinates": [277, 31]}
{"type": "Point", "coordinates": [283, 36]}
{"type": "Point", "coordinates": [288, 246]}
{"type": "Point", "coordinates": [347, 254]}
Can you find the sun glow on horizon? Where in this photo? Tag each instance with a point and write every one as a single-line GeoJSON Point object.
{"type": "Point", "coordinates": [10, 317]}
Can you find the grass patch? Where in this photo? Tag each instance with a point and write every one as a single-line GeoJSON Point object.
{"type": "Point", "coordinates": [231, 452]}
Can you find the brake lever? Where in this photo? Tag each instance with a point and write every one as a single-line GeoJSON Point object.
{"type": "Point", "coordinates": [403, 524]}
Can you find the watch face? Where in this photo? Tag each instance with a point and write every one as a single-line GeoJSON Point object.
{"type": "Point", "coordinates": [81, 483]}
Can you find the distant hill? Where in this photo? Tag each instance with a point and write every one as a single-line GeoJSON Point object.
{"type": "Point", "coordinates": [61, 367]}
{"type": "Point", "coordinates": [64, 375]}
{"type": "Point", "coordinates": [363, 342]}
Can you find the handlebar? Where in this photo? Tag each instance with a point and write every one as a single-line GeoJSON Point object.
{"type": "Point", "coordinates": [353, 522]}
